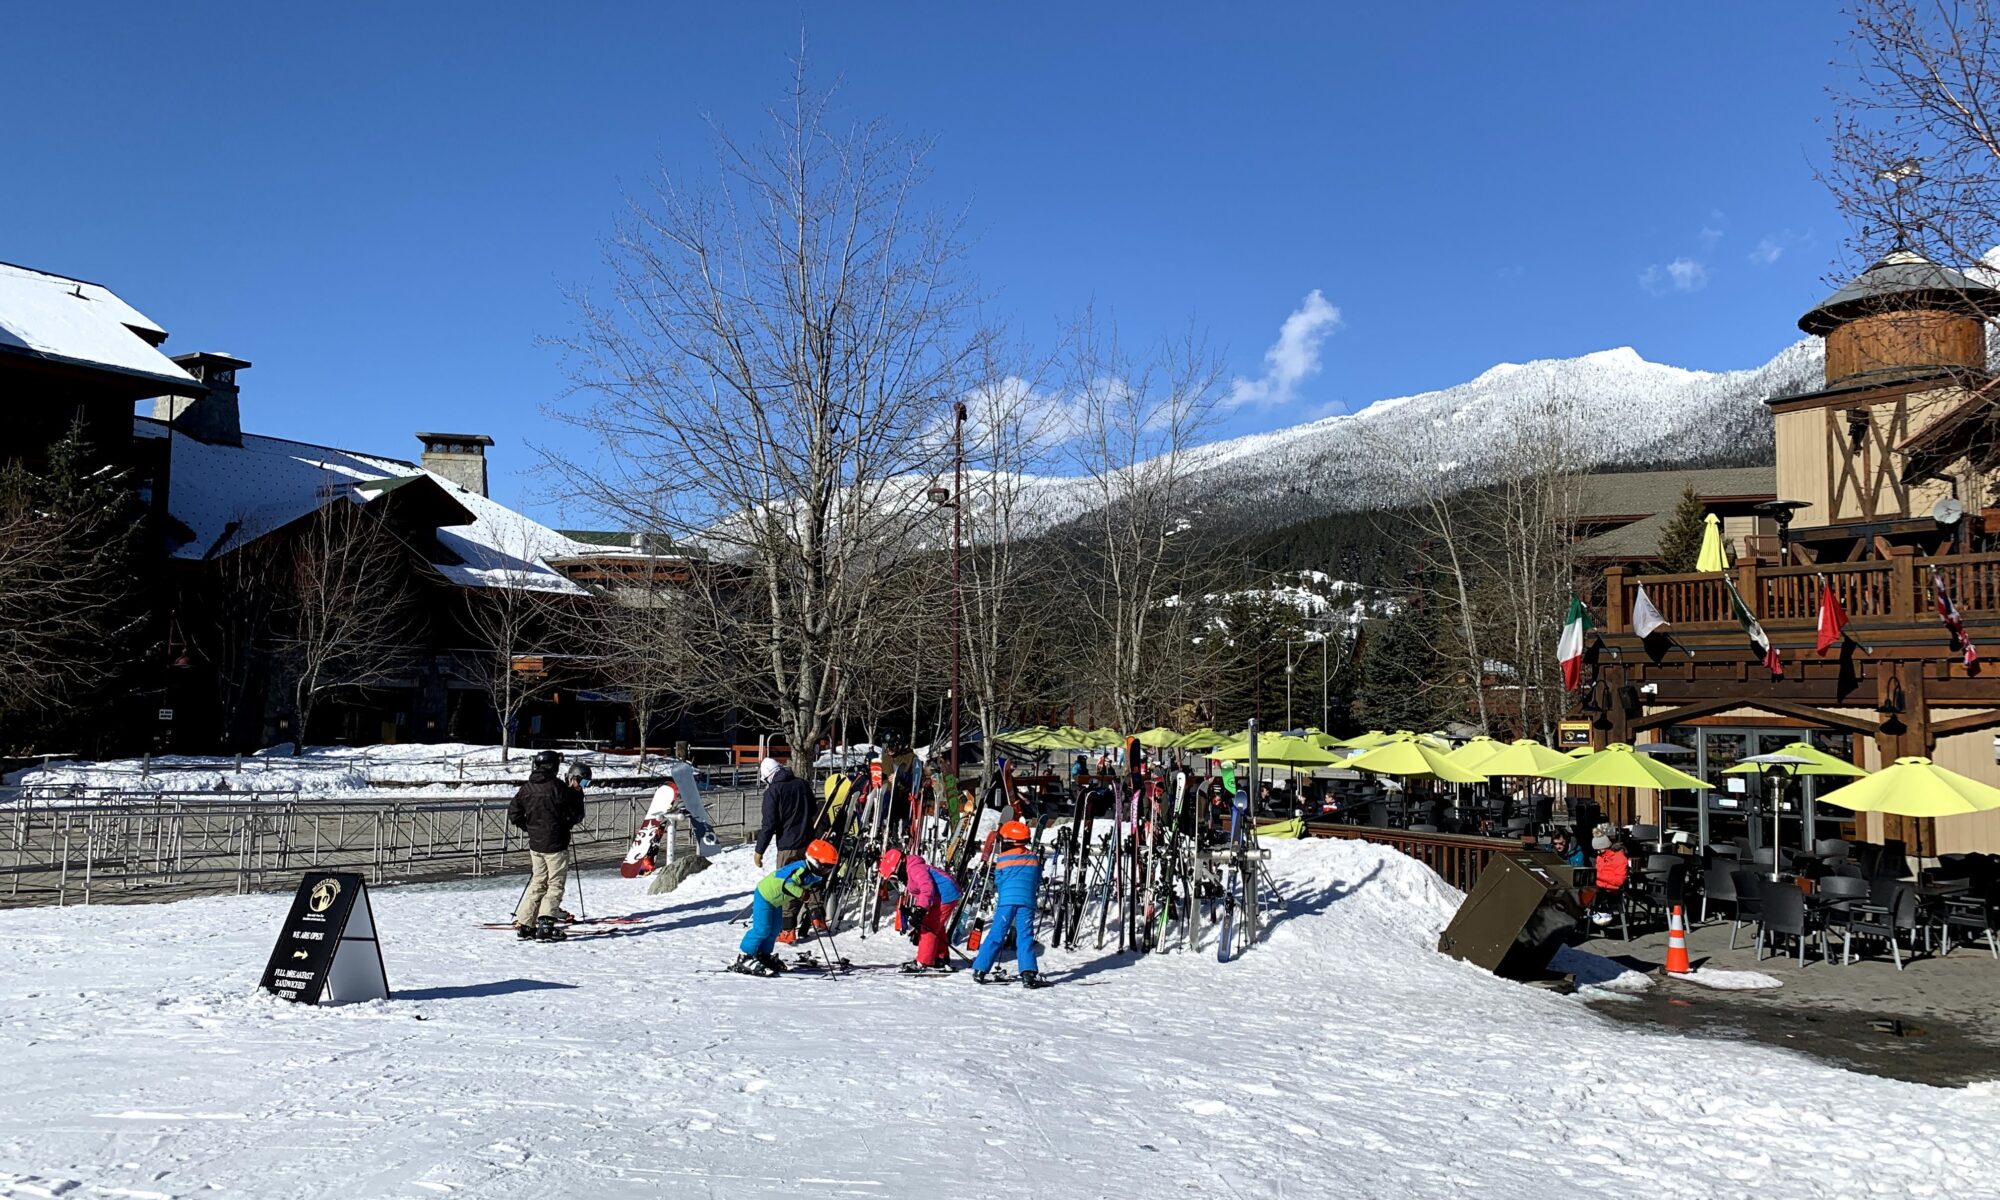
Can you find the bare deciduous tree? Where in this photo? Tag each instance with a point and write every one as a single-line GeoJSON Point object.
{"type": "Point", "coordinates": [772, 349]}
{"type": "Point", "coordinates": [1915, 158]}
{"type": "Point", "coordinates": [1137, 423]}
{"type": "Point", "coordinates": [349, 606]}
{"type": "Point", "coordinates": [511, 618]}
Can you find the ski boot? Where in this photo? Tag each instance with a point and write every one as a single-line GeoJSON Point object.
{"type": "Point", "coordinates": [526, 932]}
{"type": "Point", "coordinates": [750, 964]}
{"type": "Point", "coordinates": [979, 977]}
{"type": "Point", "coordinates": [546, 930]}
{"type": "Point", "coordinates": [787, 937]}
{"type": "Point", "coordinates": [1033, 979]}
{"type": "Point", "coordinates": [772, 964]}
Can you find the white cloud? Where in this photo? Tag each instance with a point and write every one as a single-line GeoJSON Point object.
{"type": "Point", "coordinates": [1680, 275]}
{"type": "Point", "coordinates": [1771, 247]}
{"type": "Point", "coordinates": [1292, 358]}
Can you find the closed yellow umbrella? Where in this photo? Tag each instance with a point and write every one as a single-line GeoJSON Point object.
{"type": "Point", "coordinates": [1714, 555]}
{"type": "Point", "coordinates": [1618, 765]}
{"type": "Point", "coordinates": [1408, 755]}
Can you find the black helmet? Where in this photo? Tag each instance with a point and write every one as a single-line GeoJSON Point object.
{"type": "Point", "coordinates": [547, 760]}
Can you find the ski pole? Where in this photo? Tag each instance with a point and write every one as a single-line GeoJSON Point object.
{"type": "Point", "coordinates": [581, 912]}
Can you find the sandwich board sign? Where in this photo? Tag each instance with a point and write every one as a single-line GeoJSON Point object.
{"type": "Point", "coordinates": [327, 952]}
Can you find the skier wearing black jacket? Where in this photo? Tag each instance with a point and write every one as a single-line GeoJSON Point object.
{"type": "Point", "coordinates": [546, 809]}
{"type": "Point", "coordinates": [788, 823]}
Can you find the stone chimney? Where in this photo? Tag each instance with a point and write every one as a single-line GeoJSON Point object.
{"type": "Point", "coordinates": [459, 457]}
{"type": "Point", "coordinates": [215, 418]}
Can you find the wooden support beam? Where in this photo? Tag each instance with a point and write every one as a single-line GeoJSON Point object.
{"type": "Point", "coordinates": [1971, 723]}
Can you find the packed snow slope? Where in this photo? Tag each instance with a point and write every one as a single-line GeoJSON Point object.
{"type": "Point", "coordinates": [1342, 1057]}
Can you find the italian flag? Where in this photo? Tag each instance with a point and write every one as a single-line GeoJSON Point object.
{"type": "Point", "coordinates": [1569, 648]}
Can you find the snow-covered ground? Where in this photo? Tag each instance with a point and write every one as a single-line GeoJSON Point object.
{"type": "Point", "coordinates": [331, 772]}
{"type": "Point", "coordinates": [1342, 1057]}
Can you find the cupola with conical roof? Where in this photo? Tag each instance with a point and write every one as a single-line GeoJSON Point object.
{"type": "Point", "coordinates": [1904, 317]}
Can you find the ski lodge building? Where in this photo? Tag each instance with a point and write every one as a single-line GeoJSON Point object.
{"type": "Point", "coordinates": [75, 356]}
{"type": "Point", "coordinates": [1884, 491]}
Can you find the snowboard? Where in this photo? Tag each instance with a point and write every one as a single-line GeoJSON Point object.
{"type": "Point", "coordinates": [679, 795]}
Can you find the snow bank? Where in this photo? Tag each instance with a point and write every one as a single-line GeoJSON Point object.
{"type": "Point", "coordinates": [1342, 1056]}
{"type": "Point", "coordinates": [326, 772]}
{"type": "Point", "coordinates": [1732, 981]}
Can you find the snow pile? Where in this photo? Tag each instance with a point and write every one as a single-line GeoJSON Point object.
{"type": "Point", "coordinates": [1732, 981]}
{"type": "Point", "coordinates": [1342, 1056]}
{"type": "Point", "coordinates": [323, 772]}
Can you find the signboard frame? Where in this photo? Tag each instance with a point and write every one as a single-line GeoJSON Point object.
{"type": "Point", "coordinates": [328, 951]}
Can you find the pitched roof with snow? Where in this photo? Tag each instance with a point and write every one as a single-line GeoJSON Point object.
{"type": "Point", "coordinates": [70, 322]}
{"type": "Point", "coordinates": [229, 496]}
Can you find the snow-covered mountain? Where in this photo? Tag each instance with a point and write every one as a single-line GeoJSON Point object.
{"type": "Point", "coordinates": [1628, 411]}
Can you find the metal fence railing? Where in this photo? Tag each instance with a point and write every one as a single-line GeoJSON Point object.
{"type": "Point", "coordinates": [83, 851]}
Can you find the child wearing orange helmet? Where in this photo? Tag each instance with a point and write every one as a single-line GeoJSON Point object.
{"type": "Point", "coordinates": [1017, 876]}
{"type": "Point", "coordinates": [788, 884]}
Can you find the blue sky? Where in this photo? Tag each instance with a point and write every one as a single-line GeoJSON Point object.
{"type": "Point", "coordinates": [379, 204]}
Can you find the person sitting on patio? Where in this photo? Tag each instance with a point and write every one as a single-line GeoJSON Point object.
{"type": "Point", "coordinates": [1612, 868]}
{"type": "Point", "coordinates": [1569, 851]}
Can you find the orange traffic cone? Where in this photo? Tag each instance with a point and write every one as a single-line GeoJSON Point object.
{"type": "Point", "coordinates": [1677, 944]}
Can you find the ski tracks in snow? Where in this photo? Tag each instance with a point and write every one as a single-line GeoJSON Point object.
{"type": "Point", "coordinates": [1340, 1055]}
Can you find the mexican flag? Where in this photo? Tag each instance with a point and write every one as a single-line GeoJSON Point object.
{"type": "Point", "coordinates": [1759, 640]}
{"type": "Point", "coordinates": [1569, 648]}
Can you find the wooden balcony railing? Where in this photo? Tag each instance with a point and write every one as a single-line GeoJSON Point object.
{"type": "Point", "coordinates": [1895, 590]}
{"type": "Point", "coordinates": [1458, 859]}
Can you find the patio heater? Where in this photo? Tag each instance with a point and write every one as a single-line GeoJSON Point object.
{"type": "Point", "coordinates": [1782, 511]}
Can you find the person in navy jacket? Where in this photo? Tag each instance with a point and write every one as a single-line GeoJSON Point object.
{"type": "Point", "coordinates": [1017, 876]}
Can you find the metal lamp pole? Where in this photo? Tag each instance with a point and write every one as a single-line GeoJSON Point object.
{"type": "Point", "coordinates": [957, 591]}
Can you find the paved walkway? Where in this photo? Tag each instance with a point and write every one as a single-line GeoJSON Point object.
{"type": "Point", "coordinates": [1934, 1022]}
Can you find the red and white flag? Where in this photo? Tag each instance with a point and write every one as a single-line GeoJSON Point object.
{"type": "Point", "coordinates": [1955, 624]}
{"type": "Point", "coordinates": [1832, 618]}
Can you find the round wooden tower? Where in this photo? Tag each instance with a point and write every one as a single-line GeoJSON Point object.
{"type": "Point", "coordinates": [1905, 316]}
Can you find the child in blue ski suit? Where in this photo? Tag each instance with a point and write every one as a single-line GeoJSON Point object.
{"type": "Point", "coordinates": [1017, 875]}
{"type": "Point", "coordinates": [786, 885]}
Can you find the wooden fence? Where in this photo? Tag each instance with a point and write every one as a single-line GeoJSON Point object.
{"type": "Point", "coordinates": [1456, 858]}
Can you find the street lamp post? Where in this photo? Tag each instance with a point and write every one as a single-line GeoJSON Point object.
{"type": "Point", "coordinates": [1289, 668]}
{"type": "Point", "coordinates": [957, 591]}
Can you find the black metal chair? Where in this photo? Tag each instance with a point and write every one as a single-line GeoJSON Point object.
{"type": "Point", "coordinates": [1657, 892]}
{"type": "Point", "coordinates": [1971, 912]}
{"type": "Point", "coordinates": [1850, 870]}
{"type": "Point", "coordinates": [1785, 915]}
{"type": "Point", "coordinates": [1885, 922]}
{"type": "Point", "coordinates": [1832, 850]}
{"type": "Point", "coordinates": [1717, 886]}
{"type": "Point", "coordinates": [1749, 887]}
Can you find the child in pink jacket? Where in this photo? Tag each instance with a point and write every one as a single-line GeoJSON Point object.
{"type": "Point", "coordinates": [929, 899]}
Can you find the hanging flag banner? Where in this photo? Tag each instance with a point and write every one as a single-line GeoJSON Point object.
{"type": "Point", "coordinates": [1759, 640]}
{"type": "Point", "coordinates": [1832, 619]}
{"type": "Point", "coordinates": [1652, 627]}
{"type": "Point", "coordinates": [326, 951]}
{"type": "Point", "coordinates": [1953, 622]}
{"type": "Point", "coordinates": [1569, 649]}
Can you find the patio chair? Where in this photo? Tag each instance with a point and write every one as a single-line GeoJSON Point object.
{"type": "Point", "coordinates": [1832, 850]}
{"type": "Point", "coordinates": [1895, 860]}
{"type": "Point", "coordinates": [1764, 857]}
{"type": "Point", "coordinates": [1885, 922]}
{"type": "Point", "coordinates": [1662, 862]}
{"type": "Point", "coordinates": [1642, 834]}
{"type": "Point", "coordinates": [1719, 886]}
{"type": "Point", "coordinates": [1973, 912]}
{"type": "Point", "coordinates": [1749, 887]}
{"type": "Point", "coordinates": [1850, 870]}
{"type": "Point", "coordinates": [1657, 892]}
{"type": "Point", "coordinates": [1517, 827]}
{"type": "Point", "coordinates": [1786, 915]}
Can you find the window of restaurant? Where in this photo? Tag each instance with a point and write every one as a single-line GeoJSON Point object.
{"type": "Point", "coordinates": [1723, 813]}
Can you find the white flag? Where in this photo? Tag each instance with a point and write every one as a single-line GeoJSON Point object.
{"type": "Point", "coordinates": [1646, 619]}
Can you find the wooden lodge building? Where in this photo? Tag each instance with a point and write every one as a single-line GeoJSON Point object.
{"type": "Point", "coordinates": [1886, 477]}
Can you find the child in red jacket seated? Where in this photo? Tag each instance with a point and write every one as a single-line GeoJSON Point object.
{"type": "Point", "coordinates": [1612, 869]}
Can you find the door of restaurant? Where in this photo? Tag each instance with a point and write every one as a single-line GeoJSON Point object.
{"type": "Point", "coordinates": [1724, 813]}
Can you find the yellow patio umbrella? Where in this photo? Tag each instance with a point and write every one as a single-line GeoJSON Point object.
{"type": "Point", "coordinates": [1714, 555]}
{"type": "Point", "coordinates": [1069, 737]}
{"type": "Point", "coordinates": [1408, 755]}
{"type": "Point", "coordinates": [1525, 758]}
{"type": "Point", "coordinates": [1033, 737]}
{"type": "Point", "coordinates": [1579, 752]}
{"type": "Point", "coordinates": [1618, 765]}
{"type": "Point", "coordinates": [1818, 762]}
{"type": "Point", "coordinates": [1327, 741]}
{"type": "Point", "coordinates": [1916, 787]}
{"type": "Point", "coordinates": [1159, 736]}
{"type": "Point", "coordinates": [1476, 751]}
{"type": "Point", "coordinates": [1201, 739]}
{"type": "Point", "coordinates": [1105, 736]}
{"type": "Point", "coordinates": [1277, 750]}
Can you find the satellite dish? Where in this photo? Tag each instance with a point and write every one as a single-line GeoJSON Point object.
{"type": "Point", "coordinates": [1947, 511]}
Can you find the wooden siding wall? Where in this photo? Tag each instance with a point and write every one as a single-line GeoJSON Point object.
{"type": "Point", "coordinates": [1802, 464]}
{"type": "Point", "coordinates": [1904, 339]}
